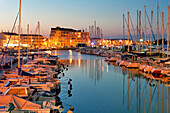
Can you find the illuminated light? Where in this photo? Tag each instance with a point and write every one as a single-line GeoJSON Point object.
{"type": "Point", "coordinates": [92, 43]}
{"type": "Point", "coordinates": [70, 40]}
{"type": "Point", "coordinates": [89, 41]}
{"type": "Point", "coordinates": [100, 43]}
{"type": "Point", "coordinates": [103, 40]}
{"type": "Point", "coordinates": [107, 41]}
{"type": "Point", "coordinates": [141, 40]}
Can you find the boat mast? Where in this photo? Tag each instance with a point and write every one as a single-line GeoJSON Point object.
{"type": "Point", "coordinates": [128, 30]}
{"type": "Point", "coordinates": [151, 32]}
{"type": "Point", "coordinates": [145, 27]}
{"type": "Point", "coordinates": [157, 25]}
{"type": "Point", "coordinates": [38, 38]}
{"type": "Point", "coordinates": [123, 30]}
{"type": "Point", "coordinates": [137, 33]}
{"type": "Point", "coordinates": [27, 40]}
{"type": "Point", "coordinates": [19, 35]}
{"type": "Point", "coordinates": [168, 34]}
{"type": "Point", "coordinates": [162, 34]}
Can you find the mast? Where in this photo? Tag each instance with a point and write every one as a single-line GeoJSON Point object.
{"type": "Point", "coordinates": [145, 26]}
{"type": "Point", "coordinates": [128, 30]}
{"type": "Point", "coordinates": [95, 28]}
{"type": "Point", "coordinates": [158, 25]}
{"type": "Point", "coordinates": [151, 32]}
{"type": "Point", "coordinates": [168, 34]}
{"type": "Point", "coordinates": [123, 30]}
{"type": "Point", "coordinates": [27, 40]}
{"type": "Point", "coordinates": [19, 35]}
{"type": "Point", "coordinates": [137, 32]}
{"type": "Point", "coordinates": [162, 34]}
{"type": "Point", "coordinates": [38, 38]}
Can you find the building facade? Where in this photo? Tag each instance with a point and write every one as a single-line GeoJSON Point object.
{"type": "Point", "coordinates": [109, 42]}
{"type": "Point", "coordinates": [65, 37]}
{"type": "Point", "coordinates": [30, 40]}
{"type": "Point", "coordinates": [33, 40]}
{"type": "Point", "coordinates": [10, 38]}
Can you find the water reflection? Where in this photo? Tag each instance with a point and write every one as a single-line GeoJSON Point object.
{"type": "Point", "coordinates": [151, 95]}
{"type": "Point", "coordinates": [101, 87]}
{"type": "Point", "coordinates": [94, 68]}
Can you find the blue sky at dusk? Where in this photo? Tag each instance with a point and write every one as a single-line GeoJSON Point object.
{"type": "Point", "coordinates": [76, 14]}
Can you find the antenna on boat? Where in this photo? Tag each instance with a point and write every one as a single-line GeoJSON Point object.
{"type": "Point", "coordinates": [19, 36]}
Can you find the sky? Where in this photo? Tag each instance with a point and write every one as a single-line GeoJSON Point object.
{"type": "Point", "coordinates": [76, 14]}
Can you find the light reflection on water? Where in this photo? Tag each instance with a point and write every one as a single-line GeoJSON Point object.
{"type": "Point", "coordinates": [99, 87]}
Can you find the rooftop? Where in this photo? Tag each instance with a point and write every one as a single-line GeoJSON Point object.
{"type": "Point", "coordinates": [9, 33]}
{"type": "Point", "coordinates": [65, 29]}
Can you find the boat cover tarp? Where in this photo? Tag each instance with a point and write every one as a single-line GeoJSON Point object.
{"type": "Point", "coordinates": [23, 73]}
{"type": "Point", "coordinates": [18, 102]}
{"type": "Point", "coordinates": [164, 60]}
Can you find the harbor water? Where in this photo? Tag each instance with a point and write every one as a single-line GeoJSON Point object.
{"type": "Point", "coordinates": [101, 87]}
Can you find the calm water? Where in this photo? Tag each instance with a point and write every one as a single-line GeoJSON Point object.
{"type": "Point", "coordinates": [99, 87]}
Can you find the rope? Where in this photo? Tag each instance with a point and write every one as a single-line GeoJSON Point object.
{"type": "Point", "coordinates": [129, 30]}
{"type": "Point", "coordinates": [150, 25]}
{"type": "Point", "coordinates": [132, 26]}
{"type": "Point", "coordinates": [13, 28]}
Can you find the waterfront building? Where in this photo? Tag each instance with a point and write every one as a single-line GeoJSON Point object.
{"type": "Point", "coordinates": [30, 40]}
{"type": "Point", "coordinates": [116, 42]}
{"type": "Point", "coordinates": [4, 39]}
{"type": "Point", "coordinates": [33, 40]}
{"type": "Point", "coordinates": [110, 42]}
{"type": "Point", "coordinates": [66, 37]}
